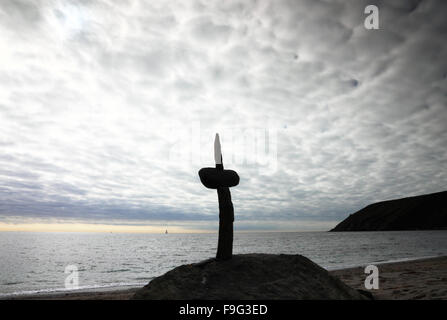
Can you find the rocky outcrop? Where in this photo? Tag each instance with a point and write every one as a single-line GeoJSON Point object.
{"type": "Point", "coordinates": [425, 212]}
{"type": "Point", "coordinates": [249, 276]}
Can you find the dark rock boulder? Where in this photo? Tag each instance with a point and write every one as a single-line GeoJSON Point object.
{"type": "Point", "coordinates": [249, 276]}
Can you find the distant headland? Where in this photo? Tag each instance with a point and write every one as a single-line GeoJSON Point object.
{"type": "Point", "coordinates": [424, 212]}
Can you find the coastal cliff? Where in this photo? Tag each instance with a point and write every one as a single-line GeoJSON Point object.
{"type": "Point", "coordinates": [425, 212]}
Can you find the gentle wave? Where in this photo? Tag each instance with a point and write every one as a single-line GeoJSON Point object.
{"type": "Point", "coordinates": [117, 270]}
{"type": "Point", "coordinates": [11, 283]}
{"type": "Point", "coordinates": [119, 285]}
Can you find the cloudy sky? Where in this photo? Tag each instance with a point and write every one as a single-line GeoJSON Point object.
{"type": "Point", "coordinates": [109, 108]}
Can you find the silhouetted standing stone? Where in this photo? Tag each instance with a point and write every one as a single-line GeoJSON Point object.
{"type": "Point", "coordinates": [222, 180]}
{"type": "Point", "coordinates": [226, 219]}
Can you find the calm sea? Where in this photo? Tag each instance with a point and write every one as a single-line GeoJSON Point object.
{"type": "Point", "coordinates": [36, 262]}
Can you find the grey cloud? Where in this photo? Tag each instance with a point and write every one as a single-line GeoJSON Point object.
{"type": "Point", "coordinates": [209, 32]}
{"type": "Point", "coordinates": [20, 13]}
{"type": "Point", "coordinates": [90, 115]}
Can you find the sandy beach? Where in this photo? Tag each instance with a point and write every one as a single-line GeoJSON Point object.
{"type": "Point", "coordinates": [412, 280]}
{"type": "Point", "coordinates": [424, 279]}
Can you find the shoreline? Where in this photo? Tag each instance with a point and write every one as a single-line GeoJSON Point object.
{"type": "Point", "coordinates": [112, 294]}
{"type": "Point", "coordinates": [421, 278]}
{"type": "Point", "coordinates": [378, 263]}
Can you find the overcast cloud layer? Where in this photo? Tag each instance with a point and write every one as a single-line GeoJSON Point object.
{"type": "Point", "coordinates": [96, 97]}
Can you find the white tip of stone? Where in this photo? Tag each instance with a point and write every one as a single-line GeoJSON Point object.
{"type": "Point", "coordinates": [217, 150]}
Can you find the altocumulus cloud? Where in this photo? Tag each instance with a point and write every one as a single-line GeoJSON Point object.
{"type": "Point", "coordinates": [96, 95]}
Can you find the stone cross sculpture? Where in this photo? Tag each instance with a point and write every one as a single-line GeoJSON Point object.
{"type": "Point", "coordinates": [221, 179]}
